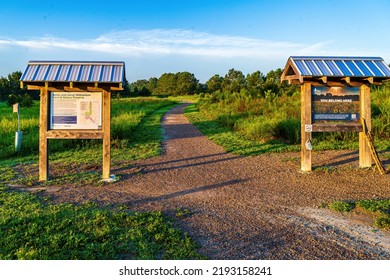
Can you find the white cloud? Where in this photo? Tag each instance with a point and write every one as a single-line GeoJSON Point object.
{"type": "Point", "coordinates": [171, 42]}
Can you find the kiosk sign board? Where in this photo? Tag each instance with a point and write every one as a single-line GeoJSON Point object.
{"type": "Point", "coordinates": [335, 104]}
{"type": "Point", "coordinates": [75, 110]}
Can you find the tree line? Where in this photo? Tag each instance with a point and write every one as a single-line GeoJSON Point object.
{"type": "Point", "coordinates": [183, 83]}
{"type": "Point", "coordinates": [180, 83]}
{"type": "Point", "coordinates": [11, 92]}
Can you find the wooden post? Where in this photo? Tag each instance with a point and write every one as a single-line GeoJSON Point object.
{"type": "Point", "coordinates": [365, 159]}
{"type": "Point", "coordinates": [43, 141]}
{"type": "Point", "coordinates": [106, 137]}
{"type": "Point", "coordinates": [306, 122]}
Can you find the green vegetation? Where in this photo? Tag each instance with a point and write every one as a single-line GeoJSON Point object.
{"type": "Point", "coordinates": [11, 92]}
{"type": "Point", "coordinates": [136, 134]}
{"type": "Point", "coordinates": [32, 229]}
{"type": "Point", "coordinates": [379, 208]}
{"type": "Point", "coordinates": [342, 206]}
{"type": "Point", "coordinates": [127, 115]}
{"type": "Point", "coordinates": [267, 118]}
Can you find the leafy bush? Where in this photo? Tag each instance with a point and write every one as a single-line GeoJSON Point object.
{"type": "Point", "coordinates": [257, 128]}
{"type": "Point", "coordinates": [380, 208]}
{"type": "Point", "coordinates": [374, 205]}
{"type": "Point", "coordinates": [289, 130]}
{"type": "Point", "coordinates": [342, 206]}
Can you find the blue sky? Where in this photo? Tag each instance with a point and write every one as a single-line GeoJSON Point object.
{"type": "Point", "coordinates": [203, 37]}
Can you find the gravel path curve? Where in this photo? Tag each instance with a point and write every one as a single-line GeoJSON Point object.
{"type": "Point", "coordinates": [250, 207]}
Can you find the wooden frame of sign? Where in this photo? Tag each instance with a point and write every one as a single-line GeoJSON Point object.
{"type": "Point", "coordinates": [307, 125]}
{"type": "Point", "coordinates": [335, 96]}
{"type": "Point", "coordinates": [46, 133]}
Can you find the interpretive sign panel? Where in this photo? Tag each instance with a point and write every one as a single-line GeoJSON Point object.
{"type": "Point", "coordinates": [335, 103]}
{"type": "Point", "coordinates": [75, 110]}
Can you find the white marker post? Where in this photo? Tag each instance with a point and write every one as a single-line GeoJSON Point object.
{"type": "Point", "coordinates": [18, 134]}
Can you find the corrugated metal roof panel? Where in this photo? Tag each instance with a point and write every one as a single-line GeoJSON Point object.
{"type": "Point", "coordinates": [385, 69]}
{"type": "Point", "coordinates": [341, 66]}
{"type": "Point", "coordinates": [323, 67]}
{"type": "Point", "coordinates": [74, 71]}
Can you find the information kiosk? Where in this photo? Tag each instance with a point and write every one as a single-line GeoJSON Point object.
{"type": "Point", "coordinates": [335, 96]}
{"type": "Point", "coordinates": [75, 103]}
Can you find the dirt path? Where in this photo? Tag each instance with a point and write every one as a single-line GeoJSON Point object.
{"type": "Point", "coordinates": [250, 207]}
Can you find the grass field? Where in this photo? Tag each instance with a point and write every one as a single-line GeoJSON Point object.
{"type": "Point", "coordinates": [33, 228]}
{"type": "Point", "coordinates": [252, 125]}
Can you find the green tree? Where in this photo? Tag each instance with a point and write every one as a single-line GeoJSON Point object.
{"type": "Point", "coordinates": [166, 84]}
{"type": "Point", "coordinates": [254, 82]}
{"type": "Point", "coordinates": [152, 85]}
{"type": "Point", "coordinates": [214, 83]}
{"type": "Point", "coordinates": [11, 92]}
{"type": "Point", "coordinates": [272, 82]}
{"type": "Point", "coordinates": [234, 81]}
{"type": "Point", "coordinates": [139, 88]}
{"type": "Point", "coordinates": [186, 83]}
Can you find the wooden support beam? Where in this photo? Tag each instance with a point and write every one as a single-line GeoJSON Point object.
{"type": "Point", "coordinates": [347, 79]}
{"type": "Point", "coordinates": [43, 142]}
{"type": "Point", "coordinates": [74, 134]}
{"type": "Point", "coordinates": [370, 80]}
{"type": "Point", "coordinates": [365, 159]}
{"type": "Point", "coordinates": [106, 137]}
{"type": "Point", "coordinates": [336, 127]}
{"type": "Point", "coordinates": [306, 120]}
{"type": "Point", "coordinates": [324, 79]}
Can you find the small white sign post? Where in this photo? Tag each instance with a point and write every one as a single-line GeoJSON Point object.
{"type": "Point", "coordinates": [18, 134]}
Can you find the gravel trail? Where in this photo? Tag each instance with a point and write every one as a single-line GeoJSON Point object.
{"type": "Point", "coordinates": [249, 207]}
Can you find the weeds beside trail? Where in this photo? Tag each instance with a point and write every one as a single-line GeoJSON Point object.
{"type": "Point", "coordinates": [135, 134]}
{"type": "Point", "coordinates": [380, 209]}
{"type": "Point", "coordinates": [32, 228]}
{"type": "Point", "coordinates": [250, 124]}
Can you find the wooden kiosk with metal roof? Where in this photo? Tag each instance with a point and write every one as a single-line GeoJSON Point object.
{"type": "Point", "coordinates": [75, 103]}
{"type": "Point", "coordinates": [335, 96]}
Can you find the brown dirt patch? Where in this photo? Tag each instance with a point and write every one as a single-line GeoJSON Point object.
{"type": "Point", "coordinates": [247, 207]}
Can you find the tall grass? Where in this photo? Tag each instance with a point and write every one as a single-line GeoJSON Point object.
{"type": "Point", "coordinates": [276, 119]}
{"type": "Point", "coordinates": [127, 114]}
{"type": "Point", "coordinates": [255, 118]}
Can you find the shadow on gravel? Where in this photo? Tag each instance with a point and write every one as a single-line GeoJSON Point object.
{"type": "Point", "coordinates": [187, 192]}
{"type": "Point", "coordinates": [180, 131]}
{"type": "Point", "coordinates": [190, 165]}
{"type": "Point", "coordinates": [184, 159]}
{"type": "Point", "coordinates": [349, 158]}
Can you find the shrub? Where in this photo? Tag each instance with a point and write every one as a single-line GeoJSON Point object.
{"type": "Point", "coordinates": [257, 128]}
{"type": "Point", "coordinates": [342, 206]}
{"type": "Point", "coordinates": [289, 131]}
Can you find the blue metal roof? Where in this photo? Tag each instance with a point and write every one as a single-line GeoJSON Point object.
{"type": "Point", "coordinates": [340, 66]}
{"type": "Point", "coordinates": [74, 71]}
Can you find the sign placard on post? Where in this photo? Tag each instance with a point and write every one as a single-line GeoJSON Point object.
{"type": "Point", "coordinates": [335, 103]}
{"type": "Point", "coordinates": [75, 110]}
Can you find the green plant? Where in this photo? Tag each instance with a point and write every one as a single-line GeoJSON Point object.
{"type": "Point", "coordinates": [380, 208]}
{"type": "Point", "coordinates": [182, 212]}
{"type": "Point", "coordinates": [383, 222]}
{"type": "Point", "coordinates": [31, 229]}
{"type": "Point", "coordinates": [342, 206]}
